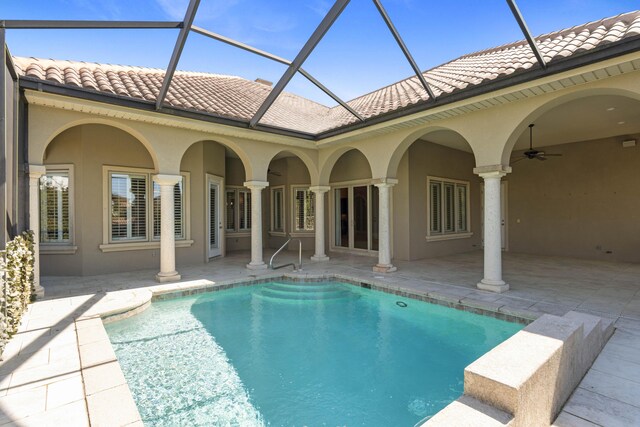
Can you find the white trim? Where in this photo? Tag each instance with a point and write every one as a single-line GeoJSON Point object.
{"type": "Point", "coordinates": [57, 249]}
{"type": "Point", "coordinates": [278, 233]}
{"type": "Point", "coordinates": [448, 236]}
{"type": "Point", "coordinates": [137, 246]}
{"type": "Point", "coordinates": [61, 247]}
{"type": "Point", "coordinates": [302, 234]}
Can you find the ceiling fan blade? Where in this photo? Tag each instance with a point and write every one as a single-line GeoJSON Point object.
{"type": "Point", "coordinates": [271, 172]}
{"type": "Point", "coordinates": [517, 160]}
{"type": "Point", "coordinates": [541, 158]}
{"type": "Point", "coordinates": [553, 155]}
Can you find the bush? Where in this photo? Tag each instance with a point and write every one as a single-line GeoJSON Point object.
{"type": "Point", "coordinates": [16, 284]}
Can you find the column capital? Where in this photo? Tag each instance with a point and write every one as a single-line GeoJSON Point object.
{"type": "Point", "coordinates": [320, 188]}
{"type": "Point", "coordinates": [384, 182]}
{"type": "Point", "coordinates": [256, 185]}
{"type": "Point", "coordinates": [36, 171]}
{"type": "Point", "coordinates": [492, 171]}
{"type": "Point", "coordinates": [166, 179]}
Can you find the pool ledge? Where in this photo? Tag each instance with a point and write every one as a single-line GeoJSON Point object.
{"type": "Point", "coordinates": [526, 380]}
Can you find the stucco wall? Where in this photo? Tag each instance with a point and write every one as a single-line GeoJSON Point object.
{"type": "Point", "coordinates": [580, 205]}
{"type": "Point", "coordinates": [292, 172]}
{"type": "Point", "coordinates": [88, 147]}
{"type": "Point", "coordinates": [429, 159]}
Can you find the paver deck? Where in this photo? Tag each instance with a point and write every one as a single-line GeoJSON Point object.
{"type": "Point", "coordinates": [61, 370]}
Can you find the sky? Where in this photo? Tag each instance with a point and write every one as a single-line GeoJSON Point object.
{"type": "Point", "coordinates": [357, 55]}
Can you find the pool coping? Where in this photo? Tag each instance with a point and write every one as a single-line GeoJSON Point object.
{"type": "Point", "coordinates": [96, 402]}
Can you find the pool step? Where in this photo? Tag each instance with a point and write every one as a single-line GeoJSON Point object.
{"type": "Point", "coordinates": [292, 292]}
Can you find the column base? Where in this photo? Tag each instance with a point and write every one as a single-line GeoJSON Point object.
{"type": "Point", "coordinates": [319, 258]}
{"type": "Point", "coordinates": [384, 268]}
{"type": "Point", "coordinates": [497, 286]}
{"type": "Point", "coordinates": [38, 292]}
{"type": "Point", "coordinates": [167, 277]}
{"type": "Point", "coordinates": [260, 266]}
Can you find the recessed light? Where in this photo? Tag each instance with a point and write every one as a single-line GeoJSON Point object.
{"type": "Point", "coordinates": [621, 123]}
{"type": "Point", "coordinates": [611, 108]}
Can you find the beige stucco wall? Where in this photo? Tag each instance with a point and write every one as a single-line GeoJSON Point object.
{"type": "Point", "coordinates": [424, 159]}
{"type": "Point", "coordinates": [293, 172]}
{"type": "Point", "coordinates": [88, 148]}
{"type": "Point", "coordinates": [582, 204]}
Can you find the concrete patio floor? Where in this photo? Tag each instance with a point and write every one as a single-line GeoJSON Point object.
{"type": "Point", "coordinates": [60, 368]}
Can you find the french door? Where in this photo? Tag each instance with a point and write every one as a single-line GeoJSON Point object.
{"type": "Point", "coordinates": [214, 217]}
{"type": "Point", "coordinates": [356, 217]}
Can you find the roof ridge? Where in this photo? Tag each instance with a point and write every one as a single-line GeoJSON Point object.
{"type": "Point", "coordinates": [113, 67]}
{"type": "Point", "coordinates": [498, 48]}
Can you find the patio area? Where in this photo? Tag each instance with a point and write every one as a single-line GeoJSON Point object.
{"type": "Point", "coordinates": [61, 367]}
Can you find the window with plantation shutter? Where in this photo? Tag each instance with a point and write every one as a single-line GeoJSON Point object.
{"type": "Point", "coordinates": [448, 207]}
{"type": "Point", "coordinates": [55, 221]}
{"type": "Point", "coordinates": [303, 209]}
{"type": "Point", "coordinates": [238, 205]}
{"type": "Point", "coordinates": [128, 206]}
{"type": "Point", "coordinates": [178, 210]}
{"type": "Point", "coordinates": [277, 209]}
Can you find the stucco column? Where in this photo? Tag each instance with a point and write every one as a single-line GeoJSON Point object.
{"type": "Point", "coordinates": [168, 271]}
{"type": "Point", "coordinates": [35, 172]}
{"type": "Point", "coordinates": [492, 280]}
{"type": "Point", "coordinates": [384, 220]}
{"type": "Point", "coordinates": [256, 188]}
{"type": "Point", "coordinates": [319, 225]}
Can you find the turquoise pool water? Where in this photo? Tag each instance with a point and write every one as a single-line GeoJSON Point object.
{"type": "Point", "coordinates": [314, 354]}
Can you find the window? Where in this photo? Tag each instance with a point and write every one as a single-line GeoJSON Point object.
{"type": "Point", "coordinates": [55, 211]}
{"type": "Point", "coordinates": [128, 206]}
{"type": "Point", "coordinates": [238, 206]}
{"type": "Point", "coordinates": [132, 218]}
{"type": "Point", "coordinates": [448, 207]}
{"type": "Point", "coordinates": [277, 209]}
{"type": "Point", "coordinates": [178, 210]}
{"type": "Point", "coordinates": [304, 208]}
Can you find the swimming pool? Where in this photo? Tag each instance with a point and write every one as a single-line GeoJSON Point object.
{"type": "Point", "coordinates": [295, 354]}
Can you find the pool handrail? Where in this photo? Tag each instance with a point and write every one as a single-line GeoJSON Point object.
{"type": "Point", "coordinates": [291, 263]}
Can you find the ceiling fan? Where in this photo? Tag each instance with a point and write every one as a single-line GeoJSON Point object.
{"type": "Point", "coordinates": [534, 154]}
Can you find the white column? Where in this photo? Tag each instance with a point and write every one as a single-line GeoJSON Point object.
{"type": "Point", "coordinates": [168, 271]}
{"type": "Point", "coordinates": [256, 188]}
{"type": "Point", "coordinates": [35, 172]}
{"type": "Point", "coordinates": [492, 280]}
{"type": "Point", "coordinates": [384, 221]}
{"type": "Point", "coordinates": [319, 192]}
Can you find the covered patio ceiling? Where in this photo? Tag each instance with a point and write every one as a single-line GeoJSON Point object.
{"type": "Point", "coordinates": [430, 86]}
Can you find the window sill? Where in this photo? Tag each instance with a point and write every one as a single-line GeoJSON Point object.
{"type": "Point", "coordinates": [278, 233]}
{"type": "Point", "coordinates": [453, 236]}
{"type": "Point", "coordinates": [303, 234]}
{"type": "Point", "coordinates": [57, 249]}
{"type": "Point", "coordinates": [139, 246]}
{"type": "Point", "coordinates": [238, 234]}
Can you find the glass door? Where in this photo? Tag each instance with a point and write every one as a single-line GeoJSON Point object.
{"type": "Point", "coordinates": [356, 217]}
{"type": "Point", "coordinates": [214, 223]}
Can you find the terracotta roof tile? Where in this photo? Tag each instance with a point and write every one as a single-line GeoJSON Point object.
{"type": "Point", "coordinates": [238, 98]}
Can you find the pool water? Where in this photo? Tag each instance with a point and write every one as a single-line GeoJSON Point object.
{"type": "Point", "coordinates": [304, 354]}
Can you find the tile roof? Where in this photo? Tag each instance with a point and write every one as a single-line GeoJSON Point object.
{"type": "Point", "coordinates": [238, 98]}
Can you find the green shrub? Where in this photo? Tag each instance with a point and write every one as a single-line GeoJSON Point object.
{"type": "Point", "coordinates": [16, 284]}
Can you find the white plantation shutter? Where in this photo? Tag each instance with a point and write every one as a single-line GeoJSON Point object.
{"type": "Point", "coordinates": [231, 204]}
{"type": "Point", "coordinates": [304, 209]}
{"type": "Point", "coordinates": [277, 210]}
{"type": "Point", "coordinates": [54, 208]}
{"type": "Point", "coordinates": [128, 206]}
{"type": "Point", "coordinates": [449, 208]}
{"type": "Point", "coordinates": [436, 206]}
{"type": "Point", "coordinates": [461, 207]}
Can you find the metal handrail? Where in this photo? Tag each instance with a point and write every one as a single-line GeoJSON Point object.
{"type": "Point", "coordinates": [291, 263]}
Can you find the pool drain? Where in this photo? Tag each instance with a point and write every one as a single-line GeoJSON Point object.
{"type": "Point", "coordinates": [401, 304]}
